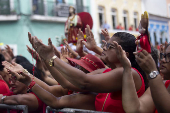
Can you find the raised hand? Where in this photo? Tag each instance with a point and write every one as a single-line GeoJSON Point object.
{"type": "Point", "coordinates": [79, 46]}
{"type": "Point", "coordinates": [90, 41]}
{"type": "Point", "coordinates": [6, 55]}
{"type": "Point", "coordinates": [105, 33]}
{"type": "Point", "coordinates": [145, 61]}
{"type": "Point", "coordinates": [64, 54]}
{"type": "Point", "coordinates": [22, 76]}
{"type": "Point", "coordinates": [121, 55]}
{"type": "Point", "coordinates": [45, 52]}
{"type": "Point", "coordinates": [33, 53]}
{"type": "Point", "coordinates": [75, 54]}
{"type": "Point", "coordinates": [9, 50]}
{"type": "Point", "coordinates": [13, 66]}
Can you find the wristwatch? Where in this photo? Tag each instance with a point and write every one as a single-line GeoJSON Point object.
{"type": "Point", "coordinates": [51, 62]}
{"type": "Point", "coordinates": [2, 99]}
{"type": "Point", "coordinates": [153, 74]}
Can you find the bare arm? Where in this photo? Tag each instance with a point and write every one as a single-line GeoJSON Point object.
{"type": "Point", "coordinates": [130, 101]}
{"type": "Point", "coordinates": [23, 99]}
{"type": "Point", "coordinates": [90, 82]}
{"type": "Point", "coordinates": [81, 101]}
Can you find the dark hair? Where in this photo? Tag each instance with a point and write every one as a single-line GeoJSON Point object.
{"type": "Point", "coordinates": [154, 53]}
{"type": "Point", "coordinates": [21, 59]}
{"type": "Point", "coordinates": [1, 60]}
{"type": "Point", "coordinates": [127, 42]}
{"type": "Point", "coordinates": [74, 11]}
{"type": "Point", "coordinates": [29, 68]}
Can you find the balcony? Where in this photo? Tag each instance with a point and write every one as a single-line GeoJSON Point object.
{"type": "Point", "coordinates": [9, 10]}
{"type": "Point", "coordinates": [51, 11]}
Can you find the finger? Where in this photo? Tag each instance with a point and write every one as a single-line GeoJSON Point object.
{"type": "Point", "coordinates": [103, 41]}
{"type": "Point", "coordinates": [91, 34]}
{"type": "Point", "coordinates": [50, 42]}
{"type": "Point", "coordinates": [14, 64]}
{"type": "Point", "coordinates": [144, 52]}
{"type": "Point", "coordinates": [81, 34]}
{"type": "Point", "coordinates": [14, 73]}
{"type": "Point", "coordinates": [138, 59]}
{"type": "Point", "coordinates": [62, 50]}
{"type": "Point", "coordinates": [89, 30]}
{"type": "Point", "coordinates": [106, 31]}
{"type": "Point", "coordinates": [65, 41]}
{"type": "Point", "coordinates": [140, 54]}
{"type": "Point", "coordinates": [84, 43]}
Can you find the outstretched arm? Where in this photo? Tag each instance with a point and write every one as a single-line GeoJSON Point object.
{"type": "Point", "coordinates": [22, 99]}
{"type": "Point", "coordinates": [130, 101]}
{"type": "Point", "coordinates": [160, 94]}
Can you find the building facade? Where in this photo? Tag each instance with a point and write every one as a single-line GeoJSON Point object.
{"type": "Point", "coordinates": [158, 20]}
{"type": "Point", "coordinates": [43, 18]}
{"type": "Point", "coordinates": [168, 11]}
{"type": "Point", "coordinates": [115, 12]}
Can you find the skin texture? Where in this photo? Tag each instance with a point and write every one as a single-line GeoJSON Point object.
{"type": "Point", "coordinates": [21, 97]}
{"type": "Point", "coordinates": [155, 96]}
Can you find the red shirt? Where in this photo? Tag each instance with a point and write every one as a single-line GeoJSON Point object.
{"type": "Point", "coordinates": [4, 89]}
{"type": "Point", "coordinates": [113, 101]}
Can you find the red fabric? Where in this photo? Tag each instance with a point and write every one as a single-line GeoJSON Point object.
{"type": "Point", "coordinates": [88, 64]}
{"type": "Point", "coordinates": [114, 100]}
{"type": "Point", "coordinates": [144, 42]}
{"type": "Point", "coordinates": [86, 20]}
{"type": "Point", "coordinates": [119, 27]}
{"type": "Point", "coordinates": [130, 28]}
{"type": "Point", "coordinates": [4, 89]}
{"type": "Point", "coordinates": [166, 85]}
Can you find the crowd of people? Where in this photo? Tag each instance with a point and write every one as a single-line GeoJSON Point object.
{"type": "Point", "coordinates": [118, 78]}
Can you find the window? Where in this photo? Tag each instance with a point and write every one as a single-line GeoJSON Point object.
{"type": "Point", "coordinates": [4, 7]}
{"type": "Point", "coordinates": [60, 1]}
{"type": "Point", "coordinates": [79, 6]}
{"type": "Point", "coordinates": [114, 19]}
{"type": "Point", "coordinates": [136, 20]}
{"type": "Point", "coordinates": [125, 19]}
{"type": "Point", "coordinates": [38, 7]}
{"type": "Point", "coordinates": [101, 14]}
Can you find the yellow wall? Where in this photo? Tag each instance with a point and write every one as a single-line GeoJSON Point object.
{"type": "Point", "coordinates": [129, 5]}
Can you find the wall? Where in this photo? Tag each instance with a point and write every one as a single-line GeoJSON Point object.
{"type": "Point", "coordinates": [157, 7]}
{"type": "Point", "coordinates": [16, 32]}
{"type": "Point", "coordinates": [129, 5]}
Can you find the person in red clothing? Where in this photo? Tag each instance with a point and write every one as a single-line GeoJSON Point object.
{"type": "Point", "coordinates": [21, 97]}
{"type": "Point", "coordinates": [131, 28]}
{"type": "Point", "coordinates": [97, 81]}
{"type": "Point", "coordinates": [3, 71]}
{"type": "Point", "coordinates": [120, 27]}
{"type": "Point", "coordinates": [156, 98]}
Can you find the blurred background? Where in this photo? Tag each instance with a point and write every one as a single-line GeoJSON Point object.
{"type": "Point", "coordinates": [46, 18]}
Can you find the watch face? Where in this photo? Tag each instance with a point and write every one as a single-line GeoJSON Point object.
{"type": "Point", "coordinates": [153, 74]}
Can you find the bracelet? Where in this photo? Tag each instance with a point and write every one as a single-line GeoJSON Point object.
{"type": "Point", "coordinates": [31, 85]}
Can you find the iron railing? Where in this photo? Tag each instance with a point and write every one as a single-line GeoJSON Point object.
{"type": "Point", "coordinates": [24, 108]}
{"type": "Point", "coordinates": [50, 8]}
{"type": "Point", "coordinates": [71, 110]}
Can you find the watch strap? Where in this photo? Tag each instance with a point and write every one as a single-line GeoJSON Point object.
{"type": "Point", "coordinates": [51, 62]}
